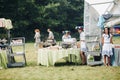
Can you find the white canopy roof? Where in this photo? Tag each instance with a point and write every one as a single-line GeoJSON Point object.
{"type": "Point", "coordinates": [101, 6]}
{"type": "Point", "coordinates": [97, 1]}
{"type": "Point", "coordinates": [7, 23]}
{"type": "Point", "coordinates": [93, 9]}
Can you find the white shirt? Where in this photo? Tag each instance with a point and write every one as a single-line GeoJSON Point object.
{"type": "Point", "coordinates": [66, 37]}
{"type": "Point", "coordinates": [37, 37]}
{"type": "Point", "coordinates": [82, 36]}
{"type": "Point", "coordinates": [51, 36]}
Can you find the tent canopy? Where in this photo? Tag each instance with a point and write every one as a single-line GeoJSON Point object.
{"type": "Point", "coordinates": [93, 9]}
{"type": "Point", "coordinates": [102, 6]}
{"type": "Point", "coordinates": [7, 23]}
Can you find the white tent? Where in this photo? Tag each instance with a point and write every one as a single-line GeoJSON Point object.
{"type": "Point", "coordinates": [94, 22]}
{"type": "Point", "coordinates": [93, 9]}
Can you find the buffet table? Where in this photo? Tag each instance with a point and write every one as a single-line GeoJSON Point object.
{"type": "Point", "coordinates": [49, 57]}
{"type": "Point", "coordinates": [3, 59]}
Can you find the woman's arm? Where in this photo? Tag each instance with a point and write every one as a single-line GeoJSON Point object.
{"type": "Point", "coordinates": [102, 40]}
{"type": "Point", "coordinates": [111, 41]}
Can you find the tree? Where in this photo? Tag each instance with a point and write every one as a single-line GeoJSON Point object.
{"type": "Point", "coordinates": [27, 15]}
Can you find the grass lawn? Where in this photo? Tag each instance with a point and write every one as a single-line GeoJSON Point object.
{"type": "Point", "coordinates": [65, 72]}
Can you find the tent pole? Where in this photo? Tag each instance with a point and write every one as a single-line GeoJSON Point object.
{"type": "Point", "coordinates": [102, 3]}
{"type": "Point", "coordinates": [8, 32]}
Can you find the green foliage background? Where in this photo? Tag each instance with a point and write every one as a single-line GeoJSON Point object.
{"type": "Point", "coordinates": [26, 15]}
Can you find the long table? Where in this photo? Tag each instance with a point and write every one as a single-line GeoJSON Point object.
{"type": "Point", "coordinates": [49, 57]}
{"type": "Point", "coordinates": [3, 59]}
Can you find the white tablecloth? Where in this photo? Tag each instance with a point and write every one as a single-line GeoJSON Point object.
{"type": "Point", "coordinates": [3, 59]}
{"type": "Point", "coordinates": [49, 57]}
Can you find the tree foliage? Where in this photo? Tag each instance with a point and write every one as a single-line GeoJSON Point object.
{"type": "Point", "coordinates": [26, 15]}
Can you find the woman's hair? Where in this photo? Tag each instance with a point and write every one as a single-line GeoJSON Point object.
{"type": "Point", "coordinates": [37, 30]}
{"type": "Point", "coordinates": [66, 32]}
{"type": "Point", "coordinates": [108, 31]}
{"type": "Point", "coordinates": [81, 29]}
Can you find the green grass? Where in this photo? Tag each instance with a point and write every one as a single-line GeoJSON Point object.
{"type": "Point", "coordinates": [65, 72]}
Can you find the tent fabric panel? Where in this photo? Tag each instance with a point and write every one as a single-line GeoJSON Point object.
{"type": "Point", "coordinates": [101, 6]}
{"type": "Point", "coordinates": [116, 8]}
{"type": "Point", "coordinates": [90, 20]}
{"type": "Point", "coordinates": [113, 22]}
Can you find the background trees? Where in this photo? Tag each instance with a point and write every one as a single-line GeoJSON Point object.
{"type": "Point", "coordinates": [26, 15]}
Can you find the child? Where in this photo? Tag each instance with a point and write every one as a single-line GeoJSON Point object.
{"type": "Point", "coordinates": [106, 46]}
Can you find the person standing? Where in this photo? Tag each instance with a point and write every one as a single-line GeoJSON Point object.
{"type": "Point", "coordinates": [50, 36]}
{"type": "Point", "coordinates": [107, 46]}
{"type": "Point", "coordinates": [83, 47]}
{"type": "Point", "coordinates": [37, 38]}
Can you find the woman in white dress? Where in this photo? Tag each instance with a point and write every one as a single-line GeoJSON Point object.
{"type": "Point", "coordinates": [107, 46]}
{"type": "Point", "coordinates": [83, 47]}
{"type": "Point", "coordinates": [37, 38]}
